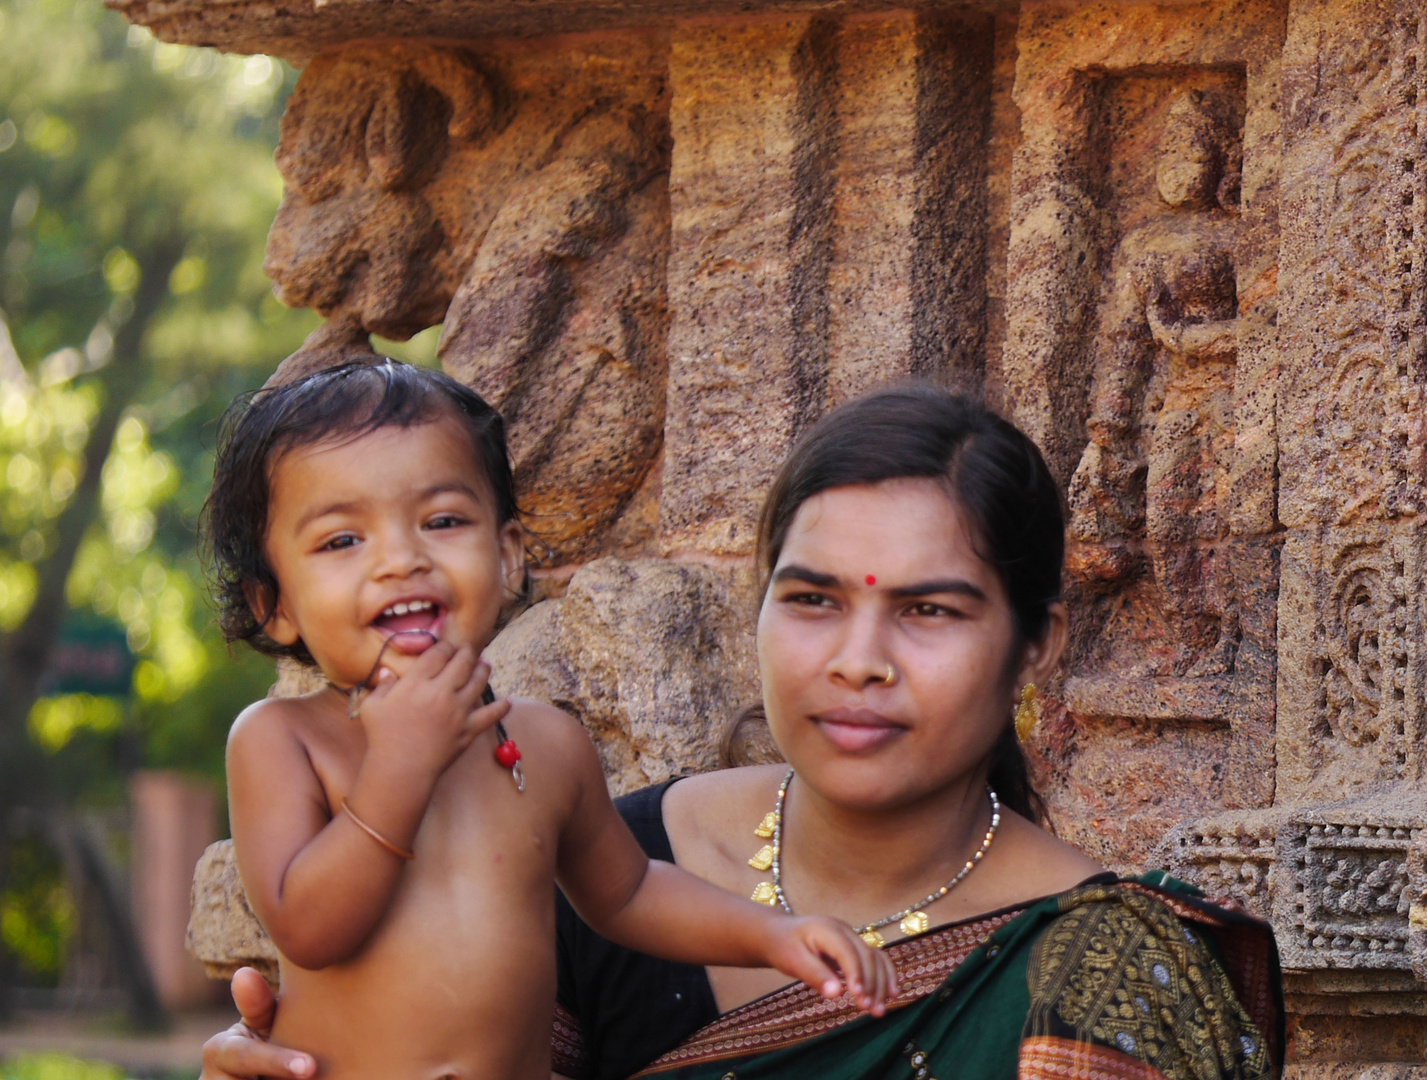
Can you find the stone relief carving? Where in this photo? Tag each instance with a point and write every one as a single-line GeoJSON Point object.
{"type": "Point", "coordinates": [1227, 856]}
{"type": "Point", "coordinates": [525, 204]}
{"type": "Point", "coordinates": [1349, 891]}
{"type": "Point", "coordinates": [1152, 484]}
{"type": "Point", "coordinates": [561, 323]}
{"type": "Point", "coordinates": [1366, 674]}
{"type": "Point", "coordinates": [357, 238]}
{"type": "Point", "coordinates": [1141, 353]}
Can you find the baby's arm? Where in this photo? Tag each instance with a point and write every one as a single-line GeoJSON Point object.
{"type": "Point", "coordinates": [657, 908]}
{"type": "Point", "coordinates": [319, 883]}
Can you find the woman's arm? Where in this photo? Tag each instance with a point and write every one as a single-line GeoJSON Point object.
{"type": "Point", "coordinates": [317, 880]}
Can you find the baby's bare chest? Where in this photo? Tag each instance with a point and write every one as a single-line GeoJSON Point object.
{"type": "Point", "coordinates": [460, 973]}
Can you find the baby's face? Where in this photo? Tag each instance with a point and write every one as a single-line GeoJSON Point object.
{"type": "Point", "coordinates": [394, 531]}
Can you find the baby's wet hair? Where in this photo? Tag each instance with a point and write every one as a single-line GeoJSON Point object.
{"type": "Point", "coordinates": [334, 405]}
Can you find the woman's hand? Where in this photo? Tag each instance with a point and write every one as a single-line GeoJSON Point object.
{"type": "Point", "coordinates": [830, 957]}
{"type": "Point", "coordinates": [243, 1051]}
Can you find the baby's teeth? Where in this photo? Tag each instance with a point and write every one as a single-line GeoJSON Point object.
{"type": "Point", "coordinates": [399, 609]}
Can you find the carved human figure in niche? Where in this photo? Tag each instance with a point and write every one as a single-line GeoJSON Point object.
{"type": "Point", "coordinates": [1151, 489]}
{"type": "Point", "coordinates": [532, 217]}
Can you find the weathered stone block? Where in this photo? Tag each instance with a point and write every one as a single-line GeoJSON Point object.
{"type": "Point", "coordinates": [223, 932]}
{"type": "Point", "coordinates": [655, 658]}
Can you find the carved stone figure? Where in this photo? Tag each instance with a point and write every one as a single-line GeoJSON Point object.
{"type": "Point", "coordinates": [1152, 483]}
{"type": "Point", "coordinates": [356, 238]}
{"type": "Point", "coordinates": [526, 207]}
{"type": "Point", "coordinates": [560, 323]}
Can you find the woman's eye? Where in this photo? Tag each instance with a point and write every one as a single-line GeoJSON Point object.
{"type": "Point", "coordinates": [808, 599]}
{"type": "Point", "coordinates": [931, 611]}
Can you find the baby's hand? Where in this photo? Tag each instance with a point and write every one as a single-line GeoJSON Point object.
{"type": "Point", "coordinates": [829, 957]}
{"type": "Point", "coordinates": [421, 721]}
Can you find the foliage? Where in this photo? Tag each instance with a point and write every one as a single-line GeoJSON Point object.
{"type": "Point", "coordinates": [56, 1067]}
{"type": "Point", "coordinates": [115, 149]}
{"type": "Point", "coordinates": [36, 914]}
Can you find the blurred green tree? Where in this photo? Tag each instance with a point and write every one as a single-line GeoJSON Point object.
{"type": "Point", "coordinates": [136, 188]}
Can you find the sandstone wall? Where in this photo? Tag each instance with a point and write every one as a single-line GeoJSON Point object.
{"type": "Point", "coordinates": [1178, 242]}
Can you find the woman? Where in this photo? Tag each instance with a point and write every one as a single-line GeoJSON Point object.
{"type": "Point", "coordinates": [911, 554]}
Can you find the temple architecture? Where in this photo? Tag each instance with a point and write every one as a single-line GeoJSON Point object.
{"type": "Point", "coordinates": [1180, 243]}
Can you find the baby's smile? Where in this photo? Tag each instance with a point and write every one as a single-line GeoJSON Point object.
{"type": "Point", "coordinates": [411, 625]}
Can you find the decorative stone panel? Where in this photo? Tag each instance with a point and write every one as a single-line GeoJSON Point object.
{"type": "Point", "coordinates": [1141, 353]}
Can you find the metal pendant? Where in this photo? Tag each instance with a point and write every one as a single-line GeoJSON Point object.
{"type": "Point", "coordinates": [873, 938]}
{"type": "Point", "coordinates": [915, 923]}
{"type": "Point", "coordinates": [767, 826]}
{"type": "Point", "coordinates": [763, 860]}
{"type": "Point", "coordinates": [764, 893]}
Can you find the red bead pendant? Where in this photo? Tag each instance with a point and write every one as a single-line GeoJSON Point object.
{"type": "Point", "coordinates": [507, 753]}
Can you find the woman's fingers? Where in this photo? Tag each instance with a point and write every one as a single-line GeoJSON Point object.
{"type": "Point", "coordinates": [236, 1054]}
{"type": "Point", "coordinates": [255, 1000]}
{"type": "Point", "coordinates": [243, 1052]}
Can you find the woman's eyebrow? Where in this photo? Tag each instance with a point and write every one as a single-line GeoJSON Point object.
{"type": "Point", "coordinates": [955, 586]}
{"type": "Point", "coordinates": [808, 577]}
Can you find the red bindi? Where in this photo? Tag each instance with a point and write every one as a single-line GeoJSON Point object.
{"type": "Point", "coordinates": [872, 579]}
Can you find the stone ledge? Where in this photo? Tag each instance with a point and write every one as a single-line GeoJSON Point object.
{"type": "Point", "coordinates": [298, 29]}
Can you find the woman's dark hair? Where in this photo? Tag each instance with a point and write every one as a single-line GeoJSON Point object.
{"type": "Point", "coordinates": [995, 475]}
{"type": "Point", "coordinates": [337, 404]}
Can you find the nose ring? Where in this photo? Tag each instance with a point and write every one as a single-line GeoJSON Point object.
{"type": "Point", "coordinates": [890, 679]}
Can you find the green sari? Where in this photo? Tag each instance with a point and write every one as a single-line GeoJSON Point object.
{"type": "Point", "coordinates": [1135, 979]}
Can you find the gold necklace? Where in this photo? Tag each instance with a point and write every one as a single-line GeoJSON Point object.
{"type": "Point", "coordinates": [911, 920]}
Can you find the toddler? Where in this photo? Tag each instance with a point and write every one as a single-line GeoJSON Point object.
{"type": "Point", "coordinates": [398, 831]}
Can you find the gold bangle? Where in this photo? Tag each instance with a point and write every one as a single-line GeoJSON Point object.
{"type": "Point", "coordinates": [378, 837]}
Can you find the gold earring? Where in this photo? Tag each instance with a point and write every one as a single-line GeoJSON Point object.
{"type": "Point", "coordinates": [1028, 713]}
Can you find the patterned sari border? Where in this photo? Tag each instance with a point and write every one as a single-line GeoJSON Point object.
{"type": "Point", "coordinates": [797, 1012]}
{"type": "Point", "coordinates": [1046, 1057]}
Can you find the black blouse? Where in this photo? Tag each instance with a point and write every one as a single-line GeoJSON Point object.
{"type": "Point", "coordinates": [630, 1008]}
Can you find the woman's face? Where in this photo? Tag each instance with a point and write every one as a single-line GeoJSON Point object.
{"type": "Point", "coordinates": [877, 575]}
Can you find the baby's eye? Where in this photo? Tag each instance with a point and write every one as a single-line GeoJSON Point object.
{"type": "Point", "coordinates": [445, 521]}
{"type": "Point", "coordinates": [337, 543]}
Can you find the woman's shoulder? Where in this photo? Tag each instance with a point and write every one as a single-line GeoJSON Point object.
{"type": "Point", "coordinates": [1037, 863]}
{"type": "Point", "coordinates": [1146, 968]}
{"type": "Point", "coordinates": [710, 817]}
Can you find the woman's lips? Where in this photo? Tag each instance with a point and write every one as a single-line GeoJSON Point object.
{"type": "Point", "coordinates": [857, 730]}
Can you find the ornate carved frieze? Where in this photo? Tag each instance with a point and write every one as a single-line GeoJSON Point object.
{"type": "Point", "coordinates": [1341, 883]}
{"type": "Point", "coordinates": [1347, 894]}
